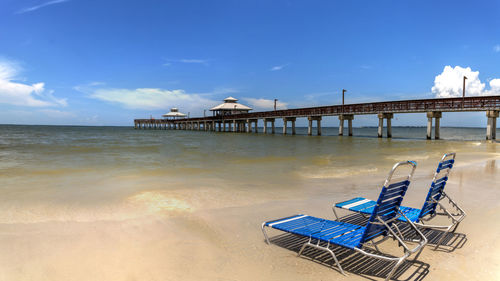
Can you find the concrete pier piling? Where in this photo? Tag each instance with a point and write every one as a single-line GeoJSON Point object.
{"type": "Point", "coordinates": [491, 126]}
{"type": "Point", "coordinates": [436, 115]}
{"type": "Point", "coordinates": [285, 124]}
{"type": "Point", "coordinates": [349, 118]}
{"type": "Point", "coordinates": [318, 124]}
{"type": "Point", "coordinates": [252, 122]}
{"type": "Point", "coordinates": [271, 120]}
{"type": "Point", "coordinates": [388, 117]}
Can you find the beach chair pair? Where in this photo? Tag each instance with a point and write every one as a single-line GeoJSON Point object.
{"type": "Point", "coordinates": [435, 198]}
{"type": "Point", "coordinates": [384, 215]}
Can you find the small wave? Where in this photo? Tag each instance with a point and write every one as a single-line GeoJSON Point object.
{"type": "Point", "coordinates": [414, 157]}
{"type": "Point", "coordinates": [267, 159]}
{"type": "Point", "coordinates": [332, 173]}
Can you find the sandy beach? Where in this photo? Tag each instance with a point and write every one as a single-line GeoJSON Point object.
{"type": "Point", "coordinates": [154, 225]}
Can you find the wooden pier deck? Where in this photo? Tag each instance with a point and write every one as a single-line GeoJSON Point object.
{"type": "Point", "coordinates": [385, 110]}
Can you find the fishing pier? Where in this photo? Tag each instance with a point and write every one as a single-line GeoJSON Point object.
{"type": "Point", "coordinates": [248, 121]}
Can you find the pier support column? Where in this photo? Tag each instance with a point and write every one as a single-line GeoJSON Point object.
{"type": "Point", "coordinates": [429, 127]}
{"type": "Point", "coordinates": [491, 127]}
{"type": "Point", "coordinates": [135, 124]}
{"type": "Point", "coordinates": [272, 124]}
{"type": "Point", "coordinates": [388, 117]}
{"type": "Point", "coordinates": [285, 123]}
{"type": "Point", "coordinates": [341, 126]}
{"type": "Point", "coordinates": [389, 128]}
{"type": "Point", "coordinates": [249, 126]}
{"type": "Point", "coordinates": [349, 124]}
{"type": "Point", "coordinates": [256, 125]}
{"type": "Point", "coordinates": [234, 126]}
{"type": "Point", "coordinates": [436, 128]}
{"type": "Point", "coordinates": [349, 118]}
{"type": "Point", "coordinates": [436, 115]}
{"type": "Point", "coordinates": [380, 126]}
{"type": "Point", "coordinates": [318, 124]}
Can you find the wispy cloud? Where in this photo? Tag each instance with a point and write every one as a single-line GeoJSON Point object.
{"type": "Point", "coordinates": [152, 98]}
{"type": "Point", "coordinates": [496, 48]}
{"type": "Point", "coordinates": [365, 66]}
{"type": "Point", "coordinates": [17, 93]}
{"type": "Point", "coordinates": [200, 61]}
{"type": "Point", "coordinates": [265, 104]}
{"type": "Point", "coordinates": [169, 62]}
{"type": "Point", "coordinates": [34, 8]}
{"type": "Point", "coordinates": [278, 67]}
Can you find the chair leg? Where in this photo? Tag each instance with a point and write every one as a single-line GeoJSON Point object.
{"type": "Point", "coordinates": [323, 249]}
{"type": "Point", "coordinates": [265, 234]}
{"type": "Point", "coordinates": [394, 268]}
{"type": "Point", "coordinates": [336, 261]}
{"type": "Point", "coordinates": [334, 212]}
{"type": "Point", "coordinates": [455, 228]}
{"type": "Point", "coordinates": [302, 248]}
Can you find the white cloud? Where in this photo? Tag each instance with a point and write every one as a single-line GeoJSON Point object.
{"type": "Point", "coordinates": [16, 93]}
{"type": "Point", "coordinates": [278, 67]}
{"type": "Point", "coordinates": [496, 48]}
{"type": "Point", "coordinates": [154, 99]}
{"type": "Point", "coordinates": [34, 8]}
{"type": "Point", "coordinates": [265, 104]}
{"type": "Point", "coordinates": [450, 83]}
{"type": "Point", "coordinates": [495, 87]}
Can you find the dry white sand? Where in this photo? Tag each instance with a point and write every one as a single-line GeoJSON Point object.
{"type": "Point", "coordinates": [212, 234]}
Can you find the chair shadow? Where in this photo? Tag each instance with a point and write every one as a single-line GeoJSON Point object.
{"type": "Point", "coordinates": [450, 243]}
{"type": "Point", "coordinates": [353, 262]}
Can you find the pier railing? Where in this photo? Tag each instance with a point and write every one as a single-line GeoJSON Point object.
{"type": "Point", "coordinates": [385, 110]}
{"type": "Point", "coordinates": [404, 106]}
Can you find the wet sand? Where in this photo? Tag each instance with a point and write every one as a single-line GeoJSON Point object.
{"type": "Point", "coordinates": [212, 234]}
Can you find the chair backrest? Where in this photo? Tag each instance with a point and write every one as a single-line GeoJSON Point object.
{"type": "Point", "coordinates": [437, 186]}
{"type": "Point", "coordinates": [388, 202]}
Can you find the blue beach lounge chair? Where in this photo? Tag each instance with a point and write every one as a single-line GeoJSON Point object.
{"type": "Point", "coordinates": [354, 237]}
{"type": "Point", "coordinates": [420, 217]}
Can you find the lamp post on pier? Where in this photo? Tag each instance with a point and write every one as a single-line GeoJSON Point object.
{"type": "Point", "coordinates": [275, 101]}
{"type": "Point", "coordinates": [463, 93]}
{"type": "Point", "coordinates": [343, 92]}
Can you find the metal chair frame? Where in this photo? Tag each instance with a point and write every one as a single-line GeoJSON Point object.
{"type": "Point", "coordinates": [456, 216]}
{"type": "Point", "coordinates": [394, 233]}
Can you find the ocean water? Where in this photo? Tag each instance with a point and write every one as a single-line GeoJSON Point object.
{"type": "Point", "coordinates": [67, 173]}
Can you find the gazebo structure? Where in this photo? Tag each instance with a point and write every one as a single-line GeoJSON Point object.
{"type": "Point", "coordinates": [174, 114]}
{"type": "Point", "coordinates": [229, 107]}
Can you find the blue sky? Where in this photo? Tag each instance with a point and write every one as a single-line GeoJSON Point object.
{"type": "Point", "coordinates": [89, 62]}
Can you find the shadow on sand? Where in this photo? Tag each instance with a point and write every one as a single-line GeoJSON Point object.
{"type": "Point", "coordinates": [367, 267]}
{"type": "Point", "coordinates": [450, 243]}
